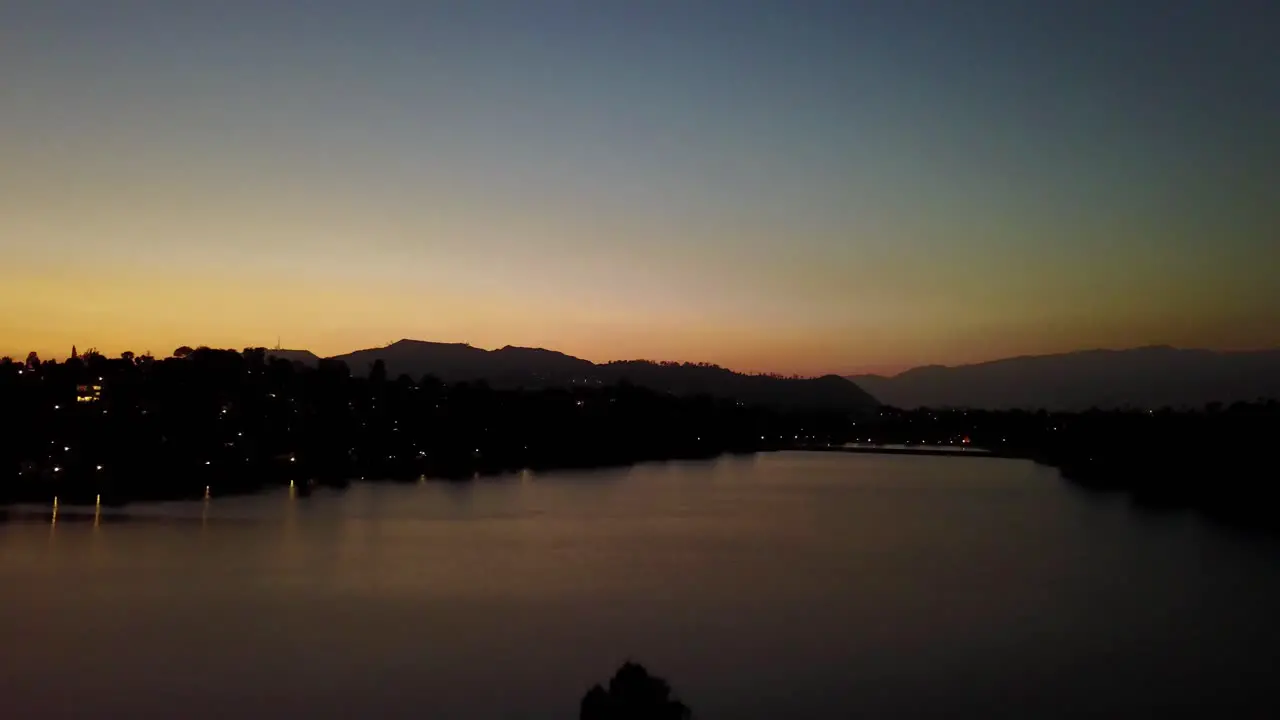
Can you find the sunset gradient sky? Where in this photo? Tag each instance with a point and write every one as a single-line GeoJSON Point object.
{"type": "Point", "coordinates": [784, 185]}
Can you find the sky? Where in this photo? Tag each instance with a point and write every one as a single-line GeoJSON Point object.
{"type": "Point", "coordinates": [797, 186]}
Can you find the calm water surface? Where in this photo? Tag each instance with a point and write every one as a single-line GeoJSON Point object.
{"type": "Point", "coordinates": [784, 585]}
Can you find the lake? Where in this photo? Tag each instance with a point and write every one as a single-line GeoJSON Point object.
{"type": "Point", "coordinates": [800, 585]}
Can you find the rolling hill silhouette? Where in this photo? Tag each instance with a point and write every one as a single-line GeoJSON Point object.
{"type": "Point", "coordinates": [459, 362]}
{"type": "Point", "coordinates": [535, 367]}
{"type": "Point", "coordinates": [306, 357]}
{"type": "Point", "coordinates": [1148, 377]}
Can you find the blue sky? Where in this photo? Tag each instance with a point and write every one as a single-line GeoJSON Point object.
{"type": "Point", "coordinates": [790, 186]}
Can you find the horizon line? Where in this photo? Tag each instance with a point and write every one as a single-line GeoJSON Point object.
{"type": "Point", "coordinates": [18, 357]}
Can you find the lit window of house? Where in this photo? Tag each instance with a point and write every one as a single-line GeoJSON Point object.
{"type": "Point", "coordinates": [88, 393]}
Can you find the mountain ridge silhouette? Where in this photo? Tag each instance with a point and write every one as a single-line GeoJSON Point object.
{"type": "Point", "coordinates": [531, 367]}
{"type": "Point", "coordinates": [1148, 377]}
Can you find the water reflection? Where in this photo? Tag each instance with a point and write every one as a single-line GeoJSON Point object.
{"type": "Point", "coordinates": [789, 585]}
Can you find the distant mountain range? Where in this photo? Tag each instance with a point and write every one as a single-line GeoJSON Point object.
{"type": "Point", "coordinates": [536, 368]}
{"type": "Point", "coordinates": [1149, 377]}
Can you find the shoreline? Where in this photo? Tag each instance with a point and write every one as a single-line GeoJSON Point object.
{"type": "Point", "coordinates": [1129, 474]}
{"type": "Point", "coordinates": [90, 490]}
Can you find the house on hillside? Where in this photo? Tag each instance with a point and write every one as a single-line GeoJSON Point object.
{"type": "Point", "coordinates": [88, 393]}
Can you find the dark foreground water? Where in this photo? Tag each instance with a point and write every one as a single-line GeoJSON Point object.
{"type": "Point", "coordinates": [787, 585]}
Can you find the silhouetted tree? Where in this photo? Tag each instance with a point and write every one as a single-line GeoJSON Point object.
{"type": "Point", "coordinates": [378, 372]}
{"type": "Point", "coordinates": [182, 352]}
{"type": "Point", "coordinates": [633, 694]}
{"type": "Point", "coordinates": [33, 360]}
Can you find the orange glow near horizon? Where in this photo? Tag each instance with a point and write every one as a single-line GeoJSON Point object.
{"type": "Point", "coordinates": [810, 196]}
{"type": "Point", "coordinates": [131, 312]}
{"type": "Point", "coordinates": [339, 306]}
